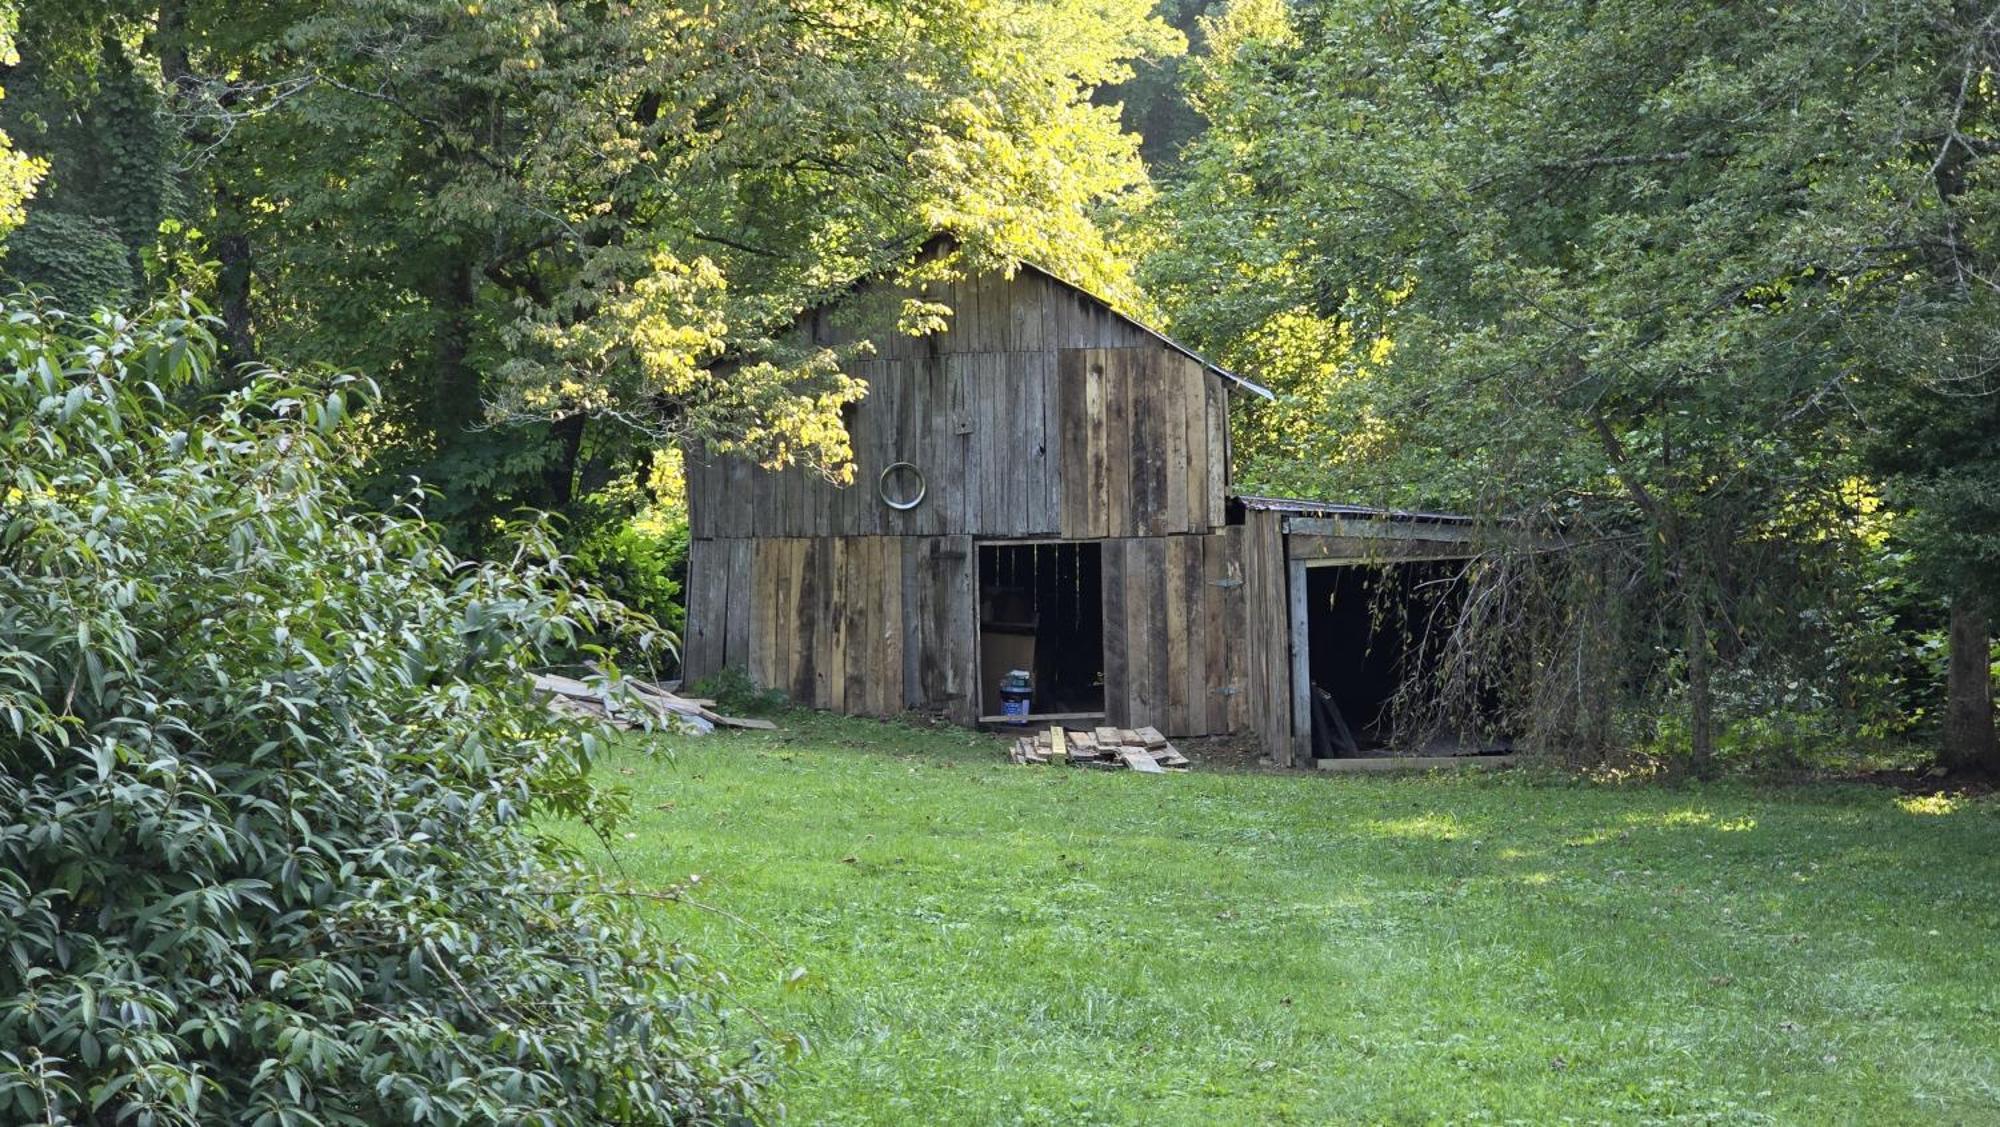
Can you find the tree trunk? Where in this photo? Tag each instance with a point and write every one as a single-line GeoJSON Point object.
{"type": "Point", "coordinates": [1701, 706]}
{"type": "Point", "coordinates": [232, 244]}
{"type": "Point", "coordinates": [559, 476]}
{"type": "Point", "coordinates": [456, 399]}
{"type": "Point", "coordinates": [1968, 718]}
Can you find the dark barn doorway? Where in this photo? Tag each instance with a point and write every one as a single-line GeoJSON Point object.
{"type": "Point", "coordinates": [1371, 629]}
{"type": "Point", "coordinates": [1041, 608]}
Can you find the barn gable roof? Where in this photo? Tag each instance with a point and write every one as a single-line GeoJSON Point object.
{"type": "Point", "coordinates": [1241, 383]}
{"type": "Point", "coordinates": [1233, 380]}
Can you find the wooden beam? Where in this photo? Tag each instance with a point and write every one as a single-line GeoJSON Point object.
{"type": "Point", "coordinates": [1345, 551]}
{"type": "Point", "coordinates": [1301, 651]}
{"type": "Point", "coordinates": [1366, 528]}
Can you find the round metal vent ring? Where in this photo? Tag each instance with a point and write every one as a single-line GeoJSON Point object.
{"type": "Point", "coordinates": [907, 492]}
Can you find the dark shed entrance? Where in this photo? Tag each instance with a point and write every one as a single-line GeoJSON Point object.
{"type": "Point", "coordinates": [1041, 609]}
{"type": "Point", "coordinates": [1371, 628]}
{"type": "Point", "coordinates": [1372, 595]}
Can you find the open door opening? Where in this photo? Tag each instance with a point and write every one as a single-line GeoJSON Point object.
{"type": "Point", "coordinates": [1041, 610]}
{"type": "Point", "coordinates": [1371, 629]}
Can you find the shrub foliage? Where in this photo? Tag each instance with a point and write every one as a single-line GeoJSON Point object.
{"type": "Point", "coordinates": [264, 855]}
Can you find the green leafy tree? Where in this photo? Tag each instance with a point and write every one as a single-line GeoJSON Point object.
{"type": "Point", "coordinates": [1657, 274]}
{"type": "Point", "coordinates": [94, 113]}
{"type": "Point", "coordinates": [266, 772]}
{"type": "Point", "coordinates": [541, 223]}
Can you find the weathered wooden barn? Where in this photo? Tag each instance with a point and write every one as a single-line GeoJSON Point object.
{"type": "Point", "coordinates": [1044, 485]}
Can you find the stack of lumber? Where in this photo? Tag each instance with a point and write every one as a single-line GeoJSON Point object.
{"type": "Point", "coordinates": [617, 703]}
{"type": "Point", "coordinates": [1111, 749]}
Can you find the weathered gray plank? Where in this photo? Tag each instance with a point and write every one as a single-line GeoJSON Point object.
{"type": "Point", "coordinates": [1071, 437]}
{"type": "Point", "coordinates": [1301, 662]}
{"type": "Point", "coordinates": [1170, 373]}
{"type": "Point", "coordinates": [1050, 522]}
{"type": "Point", "coordinates": [1158, 674]}
{"type": "Point", "coordinates": [1119, 450]}
{"type": "Point", "coordinates": [706, 599]}
{"type": "Point", "coordinates": [1195, 668]}
{"type": "Point", "coordinates": [1369, 549]}
{"type": "Point", "coordinates": [1222, 572]}
{"type": "Point", "coordinates": [736, 635]}
{"type": "Point", "coordinates": [1176, 604]}
{"type": "Point", "coordinates": [1147, 467]}
{"type": "Point", "coordinates": [850, 611]}
{"type": "Point", "coordinates": [1195, 420]}
{"type": "Point", "coordinates": [915, 575]}
{"type": "Point", "coordinates": [1117, 633]}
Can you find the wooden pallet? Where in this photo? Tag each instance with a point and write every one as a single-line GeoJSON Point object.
{"type": "Point", "coordinates": [1110, 749]}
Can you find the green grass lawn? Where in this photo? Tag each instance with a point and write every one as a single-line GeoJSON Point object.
{"type": "Point", "coordinates": [986, 943]}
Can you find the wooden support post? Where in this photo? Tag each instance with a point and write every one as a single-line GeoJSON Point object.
{"type": "Point", "coordinates": [1298, 748]}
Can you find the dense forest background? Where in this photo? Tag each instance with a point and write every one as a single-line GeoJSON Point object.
{"type": "Point", "coordinates": [1704, 292]}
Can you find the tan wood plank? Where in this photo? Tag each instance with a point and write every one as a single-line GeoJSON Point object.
{"type": "Point", "coordinates": [1196, 421]}
{"type": "Point", "coordinates": [958, 623]}
{"type": "Point", "coordinates": [1141, 762]}
{"type": "Point", "coordinates": [890, 582]}
{"type": "Point", "coordinates": [769, 571]}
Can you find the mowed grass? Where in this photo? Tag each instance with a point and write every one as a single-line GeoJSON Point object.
{"type": "Point", "coordinates": [986, 943]}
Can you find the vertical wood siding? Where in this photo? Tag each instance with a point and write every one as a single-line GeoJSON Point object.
{"type": "Point", "coordinates": [1037, 413]}
{"type": "Point", "coordinates": [1267, 648]}
{"type": "Point", "coordinates": [1175, 632]}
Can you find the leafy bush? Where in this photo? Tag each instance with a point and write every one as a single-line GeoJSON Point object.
{"type": "Point", "coordinates": [264, 855]}
{"type": "Point", "coordinates": [79, 259]}
{"type": "Point", "coordinates": [632, 560]}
